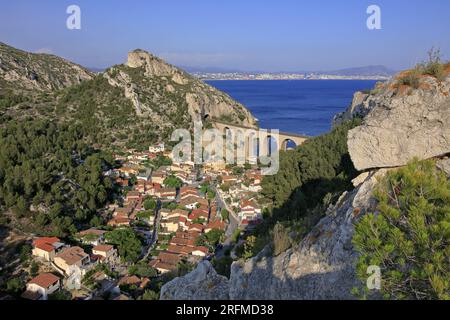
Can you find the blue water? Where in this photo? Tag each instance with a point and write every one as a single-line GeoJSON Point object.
{"type": "Point", "coordinates": [302, 106]}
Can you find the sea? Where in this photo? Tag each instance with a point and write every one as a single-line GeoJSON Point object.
{"type": "Point", "coordinates": [295, 106]}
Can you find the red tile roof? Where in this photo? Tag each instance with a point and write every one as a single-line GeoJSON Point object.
{"type": "Point", "coordinates": [45, 243]}
{"type": "Point", "coordinates": [45, 280]}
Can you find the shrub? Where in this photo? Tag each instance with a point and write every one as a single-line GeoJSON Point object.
{"type": "Point", "coordinates": [408, 237]}
{"type": "Point", "coordinates": [281, 240]}
{"type": "Point", "coordinates": [411, 79]}
{"type": "Point", "coordinates": [434, 67]}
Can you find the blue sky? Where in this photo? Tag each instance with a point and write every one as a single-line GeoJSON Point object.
{"type": "Point", "coordinates": [265, 35]}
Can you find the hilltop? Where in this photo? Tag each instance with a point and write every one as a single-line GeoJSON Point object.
{"type": "Point", "coordinates": [134, 104]}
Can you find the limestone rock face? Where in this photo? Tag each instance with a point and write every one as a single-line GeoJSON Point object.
{"type": "Point", "coordinates": [358, 107]}
{"type": "Point", "coordinates": [164, 93]}
{"type": "Point", "coordinates": [322, 266]}
{"type": "Point", "coordinates": [401, 126]}
{"type": "Point", "coordinates": [201, 284]}
{"type": "Point", "coordinates": [25, 71]}
{"type": "Point", "coordinates": [444, 165]}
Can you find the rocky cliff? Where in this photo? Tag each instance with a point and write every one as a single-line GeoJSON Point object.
{"type": "Point", "coordinates": [402, 123]}
{"type": "Point", "coordinates": [20, 70]}
{"type": "Point", "coordinates": [165, 92]}
{"type": "Point", "coordinates": [399, 124]}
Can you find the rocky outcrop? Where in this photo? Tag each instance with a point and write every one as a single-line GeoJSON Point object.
{"type": "Point", "coordinates": [164, 92]}
{"type": "Point", "coordinates": [444, 165]}
{"type": "Point", "coordinates": [201, 284]}
{"type": "Point", "coordinates": [403, 123]}
{"type": "Point", "coordinates": [322, 266]}
{"type": "Point", "coordinates": [358, 108]}
{"type": "Point", "coordinates": [24, 71]}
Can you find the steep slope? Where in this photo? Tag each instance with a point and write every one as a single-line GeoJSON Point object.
{"type": "Point", "coordinates": [24, 71]}
{"type": "Point", "coordinates": [322, 265]}
{"type": "Point", "coordinates": [133, 105]}
{"type": "Point", "coordinates": [165, 92]}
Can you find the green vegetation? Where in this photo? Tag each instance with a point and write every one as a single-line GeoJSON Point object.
{"type": "Point", "coordinates": [173, 182]}
{"type": "Point", "coordinates": [150, 295]}
{"type": "Point", "coordinates": [223, 265]}
{"type": "Point", "coordinates": [142, 269]}
{"type": "Point", "coordinates": [127, 242]}
{"type": "Point", "coordinates": [309, 180]}
{"type": "Point", "coordinates": [49, 165]}
{"type": "Point", "coordinates": [433, 67]}
{"type": "Point", "coordinates": [225, 214]}
{"type": "Point", "coordinates": [409, 236]}
{"type": "Point", "coordinates": [60, 295]}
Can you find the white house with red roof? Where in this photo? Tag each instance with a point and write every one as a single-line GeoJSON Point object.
{"type": "Point", "coordinates": [41, 286]}
{"type": "Point", "coordinates": [46, 247]}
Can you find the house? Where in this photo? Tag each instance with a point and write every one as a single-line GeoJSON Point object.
{"type": "Point", "coordinates": [46, 247]}
{"type": "Point", "coordinates": [170, 225]}
{"type": "Point", "coordinates": [229, 179]}
{"type": "Point", "coordinates": [107, 253]}
{"type": "Point", "coordinates": [119, 222]}
{"type": "Point", "coordinates": [140, 187]}
{"type": "Point", "coordinates": [177, 213]}
{"type": "Point", "coordinates": [123, 212]}
{"type": "Point", "coordinates": [167, 193]}
{"type": "Point", "coordinates": [133, 196]}
{"type": "Point", "coordinates": [128, 171]}
{"type": "Point", "coordinates": [158, 177]}
{"type": "Point", "coordinates": [144, 176]}
{"type": "Point", "coordinates": [196, 227]}
{"type": "Point", "coordinates": [200, 251]}
{"type": "Point", "coordinates": [129, 281]}
{"type": "Point", "coordinates": [91, 236]}
{"type": "Point", "coordinates": [41, 286]}
{"type": "Point", "coordinates": [249, 210]}
{"type": "Point", "coordinates": [166, 261]}
{"type": "Point", "coordinates": [188, 191]}
{"type": "Point", "coordinates": [182, 250]}
{"type": "Point", "coordinates": [216, 224]}
{"type": "Point", "coordinates": [72, 258]}
{"type": "Point", "coordinates": [198, 214]}
{"type": "Point", "coordinates": [158, 148]}
{"type": "Point", "coordinates": [191, 202]}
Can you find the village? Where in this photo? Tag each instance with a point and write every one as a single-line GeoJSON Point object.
{"type": "Point", "coordinates": [182, 213]}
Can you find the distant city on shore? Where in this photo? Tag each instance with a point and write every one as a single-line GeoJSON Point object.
{"type": "Point", "coordinates": [360, 73]}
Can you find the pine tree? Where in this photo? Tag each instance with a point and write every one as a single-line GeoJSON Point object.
{"type": "Point", "coordinates": [408, 235]}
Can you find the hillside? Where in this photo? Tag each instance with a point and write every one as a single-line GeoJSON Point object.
{"type": "Point", "coordinates": [330, 223]}
{"type": "Point", "coordinates": [24, 71]}
{"type": "Point", "coordinates": [133, 104]}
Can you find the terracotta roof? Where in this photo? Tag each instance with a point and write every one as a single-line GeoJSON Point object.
{"type": "Point", "coordinates": [103, 247]}
{"type": "Point", "coordinates": [45, 280]}
{"type": "Point", "coordinates": [202, 249]}
{"type": "Point", "coordinates": [130, 280]}
{"type": "Point", "coordinates": [72, 255]}
{"type": "Point", "coordinates": [217, 224]}
{"type": "Point", "coordinates": [45, 243]}
{"type": "Point", "coordinates": [91, 231]}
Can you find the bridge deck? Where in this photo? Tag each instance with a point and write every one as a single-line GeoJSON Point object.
{"type": "Point", "coordinates": [255, 128]}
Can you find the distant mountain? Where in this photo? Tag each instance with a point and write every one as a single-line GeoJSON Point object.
{"type": "Point", "coordinates": [376, 70]}
{"type": "Point", "coordinates": [209, 70]}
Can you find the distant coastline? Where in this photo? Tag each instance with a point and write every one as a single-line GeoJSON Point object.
{"type": "Point", "coordinates": [267, 76]}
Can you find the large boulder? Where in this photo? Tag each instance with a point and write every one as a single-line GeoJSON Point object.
{"type": "Point", "coordinates": [403, 123]}
{"type": "Point", "coordinates": [203, 283]}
